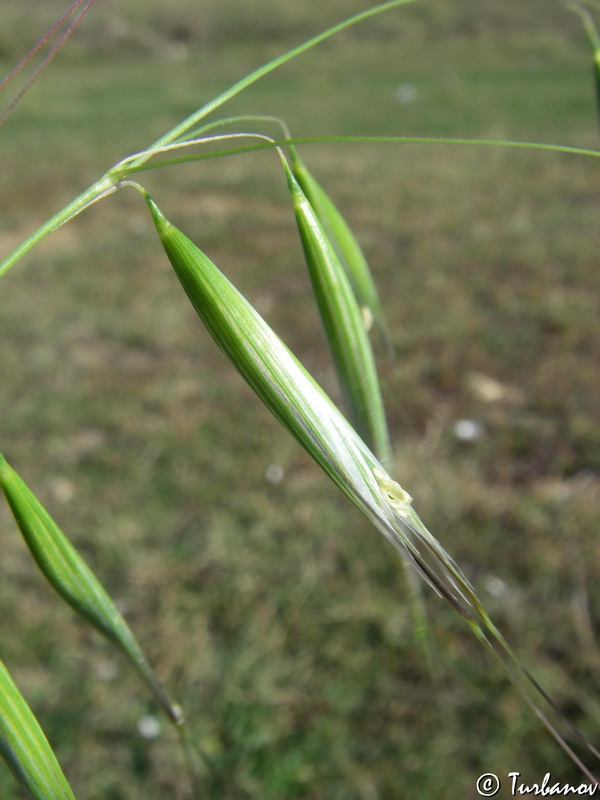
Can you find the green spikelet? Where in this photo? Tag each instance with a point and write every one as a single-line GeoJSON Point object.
{"type": "Point", "coordinates": [348, 248]}
{"type": "Point", "coordinates": [70, 576]}
{"type": "Point", "coordinates": [344, 328]}
{"type": "Point", "coordinates": [25, 748]}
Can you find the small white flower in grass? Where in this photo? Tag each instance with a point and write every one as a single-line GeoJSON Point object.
{"type": "Point", "coordinates": [406, 93]}
{"type": "Point", "coordinates": [149, 727]}
{"type": "Point", "coordinates": [63, 490]}
{"type": "Point", "coordinates": [106, 670]}
{"type": "Point", "coordinates": [274, 473]}
{"type": "Point", "coordinates": [495, 585]}
{"type": "Point", "coordinates": [485, 388]}
{"type": "Point", "coordinates": [468, 430]}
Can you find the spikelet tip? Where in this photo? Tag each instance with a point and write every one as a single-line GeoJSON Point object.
{"type": "Point", "coordinates": [161, 222]}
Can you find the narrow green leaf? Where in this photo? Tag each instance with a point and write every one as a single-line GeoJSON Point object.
{"type": "Point", "coordinates": [70, 576]}
{"type": "Point", "coordinates": [25, 748]}
{"type": "Point", "coordinates": [344, 328]}
{"type": "Point", "coordinates": [347, 247]}
{"type": "Point", "coordinates": [208, 108]}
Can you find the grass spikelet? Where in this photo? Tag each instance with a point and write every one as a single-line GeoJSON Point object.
{"type": "Point", "coordinates": [348, 248]}
{"type": "Point", "coordinates": [70, 576]}
{"type": "Point", "coordinates": [25, 748]}
{"type": "Point", "coordinates": [344, 328]}
{"type": "Point", "coordinates": [302, 407]}
{"type": "Point", "coordinates": [346, 333]}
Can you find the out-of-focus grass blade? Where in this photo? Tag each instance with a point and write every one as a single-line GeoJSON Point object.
{"type": "Point", "coordinates": [592, 33]}
{"type": "Point", "coordinates": [70, 576]}
{"type": "Point", "coordinates": [25, 748]}
{"type": "Point", "coordinates": [298, 402]}
{"type": "Point", "coordinates": [48, 58]}
{"type": "Point", "coordinates": [344, 328]}
{"type": "Point", "coordinates": [597, 78]}
{"type": "Point", "coordinates": [347, 247]}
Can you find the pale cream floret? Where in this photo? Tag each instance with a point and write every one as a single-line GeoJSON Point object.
{"type": "Point", "coordinates": [367, 317]}
{"type": "Point", "coordinates": [398, 498]}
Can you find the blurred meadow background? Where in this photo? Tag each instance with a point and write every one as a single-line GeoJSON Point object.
{"type": "Point", "coordinates": [268, 606]}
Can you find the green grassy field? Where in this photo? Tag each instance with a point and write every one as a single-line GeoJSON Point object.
{"type": "Point", "coordinates": [276, 616]}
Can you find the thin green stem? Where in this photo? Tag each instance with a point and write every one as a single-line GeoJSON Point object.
{"type": "Point", "coordinates": [219, 123]}
{"type": "Point", "coordinates": [141, 167]}
{"type": "Point", "coordinates": [106, 185]}
{"type": "Point", "coordinates": [589, 3]}
{"type": "Point", "coordinates": [517, 682]}
{"type": "Point", "coordinates": [281, 123]}
{"type": "Point", "coordinates": [588, 23]}
{"type": "Point", "coordinates": [138, 163]}
{"type": "Point", "coordinates": [128, 165]}
{"type": "Point", "coordinates": [420, 621]}
{"type": "Point", "coordinates": [197, 761]}
{"type": "Point", "coordinates": [179, 130]}
{"type": "Point", "coordinates": [97, 191]}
